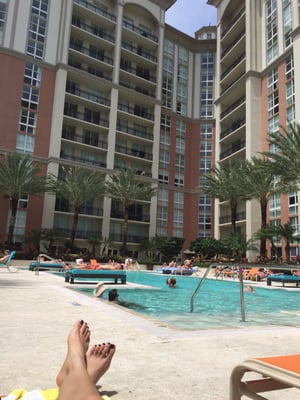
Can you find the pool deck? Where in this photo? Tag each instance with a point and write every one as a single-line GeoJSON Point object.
{"type": "Point", "coordinates": [151, 362]}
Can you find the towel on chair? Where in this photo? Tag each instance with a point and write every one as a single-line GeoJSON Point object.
{"type": "Point", "coordinates": [48, 394]}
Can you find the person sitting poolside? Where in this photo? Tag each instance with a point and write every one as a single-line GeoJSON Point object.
{"type": "Point", "coordinates": [5, 257]}
{"type": "Point", "coordinates": [80, 372]}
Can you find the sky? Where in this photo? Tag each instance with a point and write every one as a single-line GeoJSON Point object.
{"type": "Point", "coordinates": [190, 15]}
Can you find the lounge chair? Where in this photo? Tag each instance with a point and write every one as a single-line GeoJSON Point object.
{"type": "Point", "coordinates": [46, 263]}
{"type": "Point", "coordinates": [283, 278]}
{"type": "Point", "coordinates": [94, 274]}
{"type": "Point", "coordinates": [7, 262]}
{"type": "Point", "coordinates": [274, 373]}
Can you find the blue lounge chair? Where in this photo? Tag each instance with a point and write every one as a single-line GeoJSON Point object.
{"type": "Point", "coordinates": [284, 278]}
{"type": "Point", "coordinates": [7, 262]}
{"type": "Point", "coordinates": [94, 274]}
{"type": "Point", "coordinates": [46, 263]}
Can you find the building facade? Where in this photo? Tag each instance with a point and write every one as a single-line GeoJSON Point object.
{"type": "Point", "coordinates": [107, 85]}
{"type": "Point", "coordinates": [257, 89]}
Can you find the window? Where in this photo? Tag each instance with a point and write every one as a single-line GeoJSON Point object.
{"type": "Point", "coordinates": [37, 28]}
{"type": "Point", "coordinates": [287, 23]}
{"type": "Point", "coordinates": [293, 202]}
{"type": "Point", "coordinates": [3, 8]}
{"type": "Point", "coordinates": [275, 206]}
{"type": "Point", "coordinates": [271, 30]}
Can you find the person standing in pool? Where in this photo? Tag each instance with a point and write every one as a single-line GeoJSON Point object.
{"type": "Point", "coordinates": [113, 296]}
{"type": "Point", "coordinates": [171, 282]}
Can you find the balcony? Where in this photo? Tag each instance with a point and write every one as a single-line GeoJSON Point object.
{"type": "Point", "coordinates": [117, 237]}
{"type": "Point", "coordinates": [131, 151]}
{"type": "Point", "coordinates": [92, 140]}
{"type": "Point", "coordinates": [136, 110]}
{"type": "Point", "coordinates": [235, 126]}
{"type": "Point", "coordinates": [95, 53]}
{"type": "Point", "coordinates": [135, 132]}
{"type": "Point", "coordinates": [233, 20]}
{"type": "Point", "coordinates": [136, 29]}
{"type": "Point", "coordinates": [139, 50]}
{"type": "Point", "coordinates": [226, 219]}
{"type": "Point", "coordinates": [80, 234]}
{"type": "Point", "coordinates": [235, 147]}
{"type": "Point", "coordinates": [83, 160]}
{"type": "Point", "coordinates": [96, 9]}
{"type": "Point", "coordinates": [89, 69]}
{"type": "Point", "coordinates": [139, 72]}
{"type": "Point", "coordinates": [84, 210]}
{"type": "Point", "coordinates": [233, 106]}
{"type": "Point", "coordinates": [93, 29]}
{"type": "Point", "coordinates": [87, 95]}
{"type": "Point", "coordinates": [132, 217]}
{"type": "Point", "coordinates": [93, 118]}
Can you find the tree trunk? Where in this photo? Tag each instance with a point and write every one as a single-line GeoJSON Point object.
{"type": "Point", "coordinates": [74, 226]}
{"type": "Point", "coordinates": [263, 213]}
{"type": "Point", "coordinates": [233, 207]}
{"type": "Point", "coordinates": [12, 221]}
{"type": "Point", "coordinates": [123, 249]}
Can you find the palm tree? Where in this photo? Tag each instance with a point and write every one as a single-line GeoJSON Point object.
{"type": "Point", "coordinates": [20, 176]}
{"type": "Point", "coordinates": [289, 233]}
{"type": "Point", "coordinates": [285, 161]}
{"type": "Point", "coordinates": [268, 233]}
{"type": "Point", "coordinates": [127, 188]}
{"type": "Point", "coordinates": [225, 182]}
{"type": "Point", "coordinates": [260, 183]}
{"type": "Point", "coordinates": [94, 241]}
{"type": "Point", "coordinates": [77, 186]}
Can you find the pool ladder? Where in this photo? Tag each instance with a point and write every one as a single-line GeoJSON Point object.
{"type": "Point", "coordinates": [199, 286]}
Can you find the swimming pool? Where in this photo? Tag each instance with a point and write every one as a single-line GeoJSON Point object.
{"type": "Point", "coordinates": [217, 304]}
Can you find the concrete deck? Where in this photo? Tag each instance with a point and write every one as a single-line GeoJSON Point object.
{"type": "Point", "coordinates": [151, 362]}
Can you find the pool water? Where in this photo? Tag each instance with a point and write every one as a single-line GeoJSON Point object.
{"type": "Point", "coordinates": [217, 304]}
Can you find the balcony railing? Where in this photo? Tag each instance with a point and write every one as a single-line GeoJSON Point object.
{"type": "Point", "coordinates": [117, 237]}
{"type": "Point", "coordinates": [96, 9]}
{"type": "Point", "coordinates": [120, 215]}
{"type": "Point", "coordinates": [83, 160]}
{"type": "Point", "coordinates": [140, 112]}
{"type": "Point", "coordinates": [88, 95]}
{"type": "Point", "coordinates": [84, 210]}
{"type": "Point", "coordinates": [233, 65]}
{"type": "Point", "coordinates": [97, 55]}
{"type": "Point", "coordinates": [236, 146]}
{"type": "Point", "coordinates": [233, 106]}
{"type": "Point", "coordinates": [140, 51]}
{"type": "Point", "coordinates": [138, 89]}
{"type": "Point", "coordinates": [134, 152]}
{"type": "Point", "coordinates": [129, 25]}
{"type": "Point", "coordinates": [94, 119]}
{"type": "Point", "coordinates": [135, 132]}
{"type": "Point", "coordinates": [91, 141]}
{"type": "Point", "coordinates": [232, 44]}
{"type": "Point", "coordinates": [235, 125]}
{"type": "Point", "coordinates": [80, 234]}
{"type": "Point", "coordinates": [136, 72]}
{"type": "Point", "coordinates": [225, 219]}
{"type": "Point", "coordinates": [94, 30]}
{"type": "Point", "coordinates": [232, 22]}
{"type": "Point", "coordinates": [90, 70]}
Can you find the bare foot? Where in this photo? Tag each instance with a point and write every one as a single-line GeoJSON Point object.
{"type": "Point", "coordinates": [98, 360]}
{"type": "Point", "coordinates": [78, 342]}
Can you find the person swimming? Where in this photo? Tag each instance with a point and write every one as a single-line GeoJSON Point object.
{"type": "Point", "coordinates": [171, 282]}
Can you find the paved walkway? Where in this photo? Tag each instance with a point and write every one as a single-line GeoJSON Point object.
{"type": "Point", "coordinates": [151, 362]}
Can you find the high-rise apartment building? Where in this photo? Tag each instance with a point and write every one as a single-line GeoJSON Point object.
{"type": "Point", "coordinates": [107, 85]}
{"type": "Point", "coordinates": [257, 87]}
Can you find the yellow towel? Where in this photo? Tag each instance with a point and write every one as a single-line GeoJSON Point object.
{"type": "Point", "coordinates": [48, 394]}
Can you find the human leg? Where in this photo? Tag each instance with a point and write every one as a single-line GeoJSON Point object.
{"type": "Point", "coordinates": [98, 360]}
{"type": "Point", "coordinates": [65, 367]}
{"type": "Point", "coordinates": [77, 384]}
